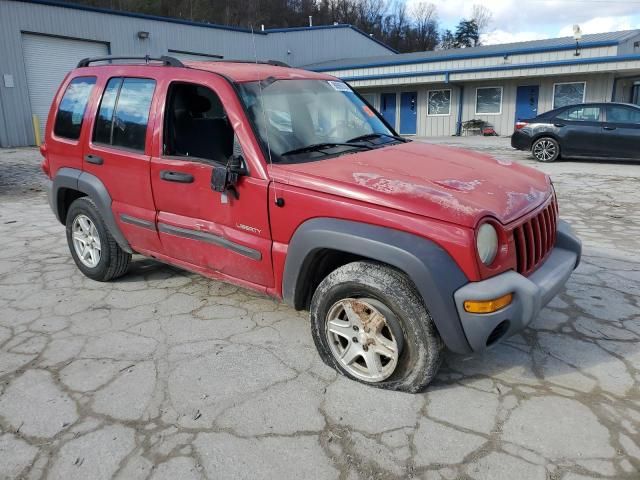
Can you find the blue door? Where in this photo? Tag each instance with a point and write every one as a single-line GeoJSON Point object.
{"type": "Point", "coordinates": [527, 102]}
{"type": "Point", "coordinates": [388, 108]}
{"type": "Point", "coordinates": [408, 113]}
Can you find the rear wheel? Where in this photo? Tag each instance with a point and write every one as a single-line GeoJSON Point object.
{"type": "Point", "coordinates": [546, 149]}
{"type": "Point", "coordinates": [94, 250]}
{"type": "Point", "coordinates": [370, 324]}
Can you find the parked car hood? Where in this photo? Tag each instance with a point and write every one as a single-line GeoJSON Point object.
{"type": "Point", "coordinates": [446, 183]}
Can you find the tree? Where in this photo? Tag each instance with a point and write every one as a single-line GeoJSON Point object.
{"type": "Point", "coordinates": [467, 34]}
{"type": "Point", "coordinates": [482, 16]}
{"type": "Point", "coordinates": [425, 18]}
{"type": "Point", "coordinates": [447, 40]}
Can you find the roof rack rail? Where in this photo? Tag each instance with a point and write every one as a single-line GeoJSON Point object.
{"type": "Point", "coordinates": [166, 60]}
{"type": "Point", "coordinates": [275, 63]}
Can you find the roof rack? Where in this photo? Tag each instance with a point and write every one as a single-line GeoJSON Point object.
{"type": "Point", "coordinates": [166, 60]}
{"type": "Point", "coordinates": [275, 63]}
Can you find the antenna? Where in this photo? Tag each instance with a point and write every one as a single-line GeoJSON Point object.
{"type": "Point", "coordinates": [276, 200]}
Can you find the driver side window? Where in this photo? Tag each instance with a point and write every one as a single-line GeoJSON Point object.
{"type": "Point", "coordinates": [196, 124]}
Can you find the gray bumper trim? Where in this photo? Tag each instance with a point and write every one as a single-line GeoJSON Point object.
{"type": "Point", "coordinates": [530, 294]}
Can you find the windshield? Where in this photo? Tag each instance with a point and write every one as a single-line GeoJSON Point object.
{"type": "Point", "coordinates": [308, 120]}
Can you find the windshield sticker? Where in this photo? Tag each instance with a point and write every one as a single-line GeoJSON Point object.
{"type": "Point", "coordinates": [368, 111]}
{"type": "Point", "coordinates": [339, 86]}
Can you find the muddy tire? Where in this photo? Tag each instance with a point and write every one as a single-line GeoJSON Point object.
{"type": "Point", "coordinates": [92, 247]}
{"type": "Point", "coordinates": [369, 323]}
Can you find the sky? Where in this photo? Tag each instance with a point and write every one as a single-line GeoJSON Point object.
{"type": "Point", "coordinates": [521, 20]}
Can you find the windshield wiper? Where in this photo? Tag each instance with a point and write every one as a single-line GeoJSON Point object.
{"type": "Point", "coordinates": [321, 146]}
{"type": "Point", "coordinates": [369, 136]}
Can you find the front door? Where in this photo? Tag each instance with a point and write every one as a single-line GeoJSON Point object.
{"type": "Point", "coordinates": [388, 108]}
{"type": "Point", "coordinates": [408, 113]}
{"type": "Point", "coordinates": [527, 102]}
{"type": "Point", "coordinates": [225, 235]}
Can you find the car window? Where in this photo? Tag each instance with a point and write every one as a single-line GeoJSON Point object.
{"type": "Point", "coordinates": [581, 114]}
{"type": "Point", "coordinates": [68, 122]}
{"type": "Point", "coordinates": [196, 124]}
{"type": "Point", "coordinates": [124, 113]}
{"type": "Point", "coordinates": [619, 114]}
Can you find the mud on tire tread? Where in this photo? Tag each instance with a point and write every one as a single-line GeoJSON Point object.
{"type": "Point", "coordinates": [114, 261]}
{"type": "Point", "coordinates": [422, 353]}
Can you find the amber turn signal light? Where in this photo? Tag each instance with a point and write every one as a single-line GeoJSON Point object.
{"type": "Point", "coordinates": [488, 306]}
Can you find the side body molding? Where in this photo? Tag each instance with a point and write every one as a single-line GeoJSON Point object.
{"type": "Point", "coordinates": [90, 185]}
{"type": "Point", "coordinates": [432, 270]}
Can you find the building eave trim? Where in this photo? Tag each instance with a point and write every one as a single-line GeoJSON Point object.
{"type": "Point", "coordinates": [497, 68]}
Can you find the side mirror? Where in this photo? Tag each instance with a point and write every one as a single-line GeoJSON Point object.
{"type": "Point", "coordinates": [224, 178]}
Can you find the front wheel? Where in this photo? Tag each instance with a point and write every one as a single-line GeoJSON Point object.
{"type": "Point", "coordinates": [369, 323]}
{"type": "Point", "coordinates": [546, 149]}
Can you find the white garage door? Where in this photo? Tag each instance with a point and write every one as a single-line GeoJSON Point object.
{"type": "Point", "coordinates": [47, 60]}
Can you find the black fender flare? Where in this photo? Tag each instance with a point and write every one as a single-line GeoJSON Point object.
{"type": "Point", "coordinates": [90, 185]}
{"type": "Point", "coordinates": [432, 270]}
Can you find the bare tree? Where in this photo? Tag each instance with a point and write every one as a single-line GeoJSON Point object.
{"type": "Point", "coordinates": [482, 16]}
{"type": "Point", "coordinates": [425, 19]}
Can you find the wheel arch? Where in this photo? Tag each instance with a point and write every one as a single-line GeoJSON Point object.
{"type": "Point", "coordinates": [434, 273]}
{"type": "Point", "coordinates": [70, 184]}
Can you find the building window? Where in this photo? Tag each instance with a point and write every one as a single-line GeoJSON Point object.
{"type": "Point", "coordinates": [438, 102]}
{"type": "Point", "coordinates": [568, 94]}
{"type": "Point", "coordinates": [71, 110]}
{"type": "Point", "coordinates": [370, 98]}
{"type": "Point", "coordinates": [124, 112]}
{"type": "Point", "coordinates": [489, 101]}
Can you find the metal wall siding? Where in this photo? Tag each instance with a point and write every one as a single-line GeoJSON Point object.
{"type": "Point", "coordinates": [120, 32]}
{"type": "Point", "coordinates": [599, 87]}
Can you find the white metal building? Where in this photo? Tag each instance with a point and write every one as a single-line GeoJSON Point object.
{"type": "Point", "coordinates": [433, 93]}
{"type": "Point", "coordinates": [42, 40]}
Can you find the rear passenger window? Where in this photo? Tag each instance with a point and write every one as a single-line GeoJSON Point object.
{"type": "Point", "coordinates": [124, 113]}
{"type": "Point", "coordinates": [581, 114]}
{"type": "Point", "coordinates": [71, 110]}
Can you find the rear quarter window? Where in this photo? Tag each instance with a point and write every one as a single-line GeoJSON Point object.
{"type": "Point", "coordinates": [68, 123]}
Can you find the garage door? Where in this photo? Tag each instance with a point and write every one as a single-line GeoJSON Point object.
{"type": "Point", "coordinates": [47, 60]}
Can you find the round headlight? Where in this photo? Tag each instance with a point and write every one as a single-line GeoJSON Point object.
{"type": "Point", "coordinates": [487, 243]}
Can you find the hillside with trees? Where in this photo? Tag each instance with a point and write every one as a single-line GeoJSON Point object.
{"type": "Point", "coordinates": [407, 29]}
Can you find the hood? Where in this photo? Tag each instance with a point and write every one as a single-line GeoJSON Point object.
{"type": "Point", "coordinates": [445, 183]}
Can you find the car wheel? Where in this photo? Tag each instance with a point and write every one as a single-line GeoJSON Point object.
{"type": "Point", "coordinates": [94, 250]}
{"type": "Point", "coordinates": [546, 149]}
{"type": "Point", "coordinates": [369, 323]}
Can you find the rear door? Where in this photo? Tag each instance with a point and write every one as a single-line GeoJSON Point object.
{"type": "Point", "coordinates": [622, 131]}
{"type": "Point", "coordinates": [215, 233]}
{"type": "Point", "coordinates": [580, 130]}
{"type": "Point", "coordinates": [119, 153]}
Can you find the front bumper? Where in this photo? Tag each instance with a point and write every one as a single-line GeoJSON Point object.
{"type": "Point", "coordinates": [530, 294]}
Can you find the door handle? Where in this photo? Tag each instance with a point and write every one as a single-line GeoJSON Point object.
{"type": "Point", "coordinates": [559, 125]}
{"type": "Point", "coordinates": [95, 159]}
{"type": "Point", "coordinates": [609, 128]}
{"type": "Point", "coordinates": [178, 177]}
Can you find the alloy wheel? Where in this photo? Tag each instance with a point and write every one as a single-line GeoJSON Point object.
{"type": "Point", "coordinates": [364, 337]}
{"type": "Point", "coordinates": [86, 241]}
{"type": "Point", "coordinates": [545, 150]}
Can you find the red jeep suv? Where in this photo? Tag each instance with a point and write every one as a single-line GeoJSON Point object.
{"type": "Point", "coordinates": [287, 182]}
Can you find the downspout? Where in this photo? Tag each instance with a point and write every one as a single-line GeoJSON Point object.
{"type": "Point", "coordinates": [615, 87]}
{"type": "Point", "coordinates": [460, 103]}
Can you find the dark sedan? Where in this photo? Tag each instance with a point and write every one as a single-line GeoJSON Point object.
{"type": "Point", "coordinates": [589, 130]}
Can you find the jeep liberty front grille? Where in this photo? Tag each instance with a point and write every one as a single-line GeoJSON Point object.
{"type": "Point", "coordinates": [535, 238]}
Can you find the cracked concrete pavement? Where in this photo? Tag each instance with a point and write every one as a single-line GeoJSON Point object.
{"type": "Point", "coordinates": [164, 374]}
